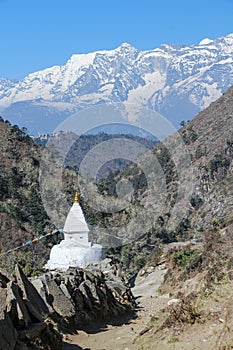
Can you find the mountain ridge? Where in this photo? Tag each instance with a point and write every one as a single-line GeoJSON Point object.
{"type": "Point", "coordinates": [176, 80]}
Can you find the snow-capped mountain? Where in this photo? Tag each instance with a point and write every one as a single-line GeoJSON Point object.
{"type": "Point", "coordinates": [176, 80]}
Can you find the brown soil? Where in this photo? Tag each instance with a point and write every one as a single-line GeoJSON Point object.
{"type": "Point", "coordinates": [123, 331]}
{"type": "Point", "coordinates": [146, 331]}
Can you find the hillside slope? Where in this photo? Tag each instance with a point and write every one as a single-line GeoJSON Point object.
{"type": "Point", "coordinates": [22, 215]}
{"type": "Point", "coordinates": [208, 141]}
{"type": "Point", "coordinates": [207, 199]}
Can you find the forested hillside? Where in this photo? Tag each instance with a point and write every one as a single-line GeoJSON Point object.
{"type": "Point", "coordinates": [22, 215]}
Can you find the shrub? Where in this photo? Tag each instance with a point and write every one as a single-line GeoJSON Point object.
{"type": "Point", "coordinates": [184, 257]}
{"type": "Point", "coordinates": [196, 201]}
{"type": "Point", "coordinates": [184, 312]}
{"type": "Point", "coordinates": [140, 262]}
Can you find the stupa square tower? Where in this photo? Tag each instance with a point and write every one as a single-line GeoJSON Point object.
{"type": "Point", "coordinates": [75, 225]}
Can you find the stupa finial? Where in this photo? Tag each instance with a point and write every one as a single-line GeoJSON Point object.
{"type": "Point", "coordinates": [76, 198]}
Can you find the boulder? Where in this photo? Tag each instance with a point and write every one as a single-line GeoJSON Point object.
{"type": "Point", "coordinates": [16, 307]}
{"type": "Point", "coordinates": [42, 335]}
{"type": "Point", "coordinates": [58, 300]}
{"type": "Point", "coordinates": [117, 286]}
{"type": "Point", "coordinates": [78, 299]}
{"type": "Point", "coordinates": [173, 302]}
{"type": "Point", "coordinates": [92, 292]}
{"type": "Point", "coordinates": [39, 284]}
{"type": "Point", "coordinates": [86, 296]}
{"type": "Point", "coordinates": [65, 290]}
{"type": "Point", "coordinates": [35, 304]}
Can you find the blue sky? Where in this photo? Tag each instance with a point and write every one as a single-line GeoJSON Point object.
{"type": "Point", "coordinates": [38, 34]}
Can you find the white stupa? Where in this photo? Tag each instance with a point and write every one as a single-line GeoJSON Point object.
{"type": "Point", "coordinates": [75, 250]}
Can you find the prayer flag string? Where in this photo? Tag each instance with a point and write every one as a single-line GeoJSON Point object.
{"type": "Point", "coordinates": [31, 241]}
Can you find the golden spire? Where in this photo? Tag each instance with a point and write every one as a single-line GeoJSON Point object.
{"type": "Point", "coordinates": [76, 198]}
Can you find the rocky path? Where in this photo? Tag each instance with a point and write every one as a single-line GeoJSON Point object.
{"type": "Point", "coordinates": [122, 332]}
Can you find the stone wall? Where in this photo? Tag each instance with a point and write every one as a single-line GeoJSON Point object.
{"type": "Point", "coordinates": [34, 313]}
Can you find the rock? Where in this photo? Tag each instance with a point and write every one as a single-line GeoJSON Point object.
{"type": "Point", "coordinates": [89, 276]}
{"type": "Point", "coordinates": [143, 331]}
{"type": "Point", "coordinates": [215, 309]}
{"type": "Point", "coordinates": [165, 295]}
{"type": "Point", "coordinates": [194, 284]}
{"type": "Point", "coordinates": [150, 269]}
{"type": "Point", "coordinates": [34, 331]}
{"type": "Point", "coordinates": [92, 292]}
{"type": "Point", "coordinates": [41, 336]}
{"type": "Point", "coordinates": [105, 264]}
{"type": "Point", "coordinates": [142, 272]}
{"type": "Point", "coordinates": [39, 284]}
{"type": "Point", "coordinates": [78, 278]}
{"type": "Point", "coordinates": [173, 302]}
{"type": "Point", "coordinates": [65, 290]}
{"type": "Point", "coordinates": [78, 299]}
{"type": "Point", "coordinates": [8, 333]}
{"type": "Point", "coordinates": [29, 308]}
{"type": "Point", "coordinates": [34, 302]}
{"type": "Point", "coordinates": [58, 300]}
{"type": "Point", "coordinates": [83, 289]}
{"type": "Point", "coordinates": [117, 286]}
{"type": "Point", "coordinates": [16, 308]}
{"type": "Point", "coordinates": [109, 275]}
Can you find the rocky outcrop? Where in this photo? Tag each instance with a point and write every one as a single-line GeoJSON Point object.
{"type": "Point", "coordinates": [34, 313]}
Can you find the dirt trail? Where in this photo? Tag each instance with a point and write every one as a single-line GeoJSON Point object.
{"type": "Point", "coordinates": [120, 335]}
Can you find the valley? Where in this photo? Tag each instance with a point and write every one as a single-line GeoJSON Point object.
{"type": "Point", "coordinates": [164, 220]}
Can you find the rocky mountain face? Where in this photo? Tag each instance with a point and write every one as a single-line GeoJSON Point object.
{"type": "Point", "coordinates": [176, 80]}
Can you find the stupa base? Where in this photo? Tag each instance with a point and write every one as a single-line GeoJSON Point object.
{"type": "Point", "coordinates": [69, 254]}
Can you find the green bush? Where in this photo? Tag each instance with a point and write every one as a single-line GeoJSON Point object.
{"type": "Point", "coordinates": [184, 257]}
{"type": "Point", "coordinates": [140, 262]}
{"type": "Point", "coordinates": [189, 135]}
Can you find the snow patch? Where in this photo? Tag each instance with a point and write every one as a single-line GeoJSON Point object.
{"type": "Point", "coordinates": [213, 93]}
{"type": "Point", "coordinates": [205, 41]}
